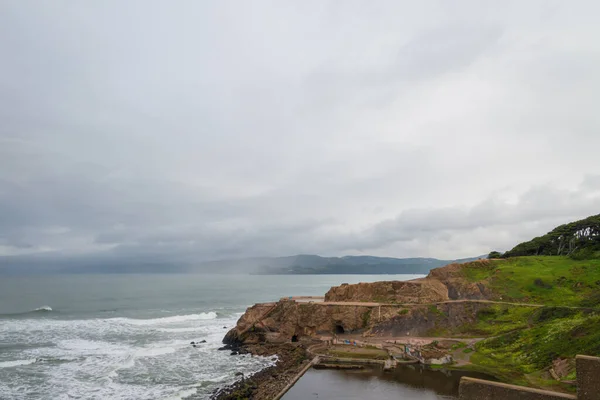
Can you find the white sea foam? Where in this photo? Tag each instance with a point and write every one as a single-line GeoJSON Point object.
{"type": "Point", "coordinates": [154, 351]}
{"type": "Point", "coordinates": [183, 394]}
{"type": "Point", "coordinates": [185, 330]}
{"type": "Point", "coordinates": [43, 308]}
{"type": "Point", "coordinates": [16, 363]}
{"type": "Point", "coordinates": [119, 351]}
{"type": "Point", "coordinates": [168, 320]}
{"type": "Point", "coordinates": [85, 347]}
{"type": "Point", "coordinates": [129, 362]}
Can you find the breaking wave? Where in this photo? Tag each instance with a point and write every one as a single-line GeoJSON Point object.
{"type": "Point", "coordinates": [42, 309]}
{"type": "Point", "coordinates": [16, 363]}
{"type": "Point", "coordinates": [168, 320]}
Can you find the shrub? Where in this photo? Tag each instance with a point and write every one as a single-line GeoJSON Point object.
{"type": "Point", "coordinates": [591, 300]}
{"type": "Point", "coordinates": [549, 313]}
{"type": "Point", "coordinates": [486, 313]}
{"type": "Point", "coordinates": [495, 254]}
{"type": "Point", "coordinates": [583, 254]}
{"type": "Point", "coordinates": [540, 283]}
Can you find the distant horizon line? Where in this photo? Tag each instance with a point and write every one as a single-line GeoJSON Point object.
{"type": "Point", "coordinates": [232, 258]}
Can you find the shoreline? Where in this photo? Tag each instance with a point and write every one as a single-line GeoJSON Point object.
{"type": "Point", "coordinates": [294, 360]}
{"type": "Point", "coordinates": [460, 317]}
{"type": "Point", "coordinates": [268, 383]}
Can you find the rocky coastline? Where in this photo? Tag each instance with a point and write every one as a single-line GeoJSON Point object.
{"type": "Point", "coordinates": [268, 383]}
{"type": "Point", "coordinates": [473, 316]}
{"type": "Point", "coordinates": [290, 328]}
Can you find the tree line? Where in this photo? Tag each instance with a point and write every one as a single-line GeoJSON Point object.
{"type": "Point", "coordinates": [579, 239]}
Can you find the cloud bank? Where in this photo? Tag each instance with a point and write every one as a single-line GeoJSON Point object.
{"type": "Point", "coordinates": [220, 129]}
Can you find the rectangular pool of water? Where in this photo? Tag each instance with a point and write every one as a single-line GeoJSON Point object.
{"type": "Point", "coordinates": [410, 382]}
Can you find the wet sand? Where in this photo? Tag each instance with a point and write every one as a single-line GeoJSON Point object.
{"type": "Point", "coordinates": [411, 382]}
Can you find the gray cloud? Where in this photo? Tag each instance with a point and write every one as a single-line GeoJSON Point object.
{"type": "Point", "coordinates": [217, 130]}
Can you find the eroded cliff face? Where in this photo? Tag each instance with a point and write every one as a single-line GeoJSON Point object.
{"type": "Point", "coordinates": [452, 276]}
{"type": "Point", "coordinates": [286, 321]}
{"type": "Point", "coordinates": [415, 291]}
{"type": "Point", "coordinates": [421, 320]}
{"type": "Point", "coordinates": [442, 284]}
{"type": "Point", "coordinates": [416, 307]}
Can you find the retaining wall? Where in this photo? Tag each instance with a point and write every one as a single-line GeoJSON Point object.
{"type": "Point", "coordinates": [588, 386]}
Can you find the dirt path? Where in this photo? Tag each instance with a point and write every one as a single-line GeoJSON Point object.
{"type": "Point", "coordinates": [320, 300]}
{"type": "Point", "coordinates": [371, 304]}
{"type": "Point", "coordinates": [414, 340]}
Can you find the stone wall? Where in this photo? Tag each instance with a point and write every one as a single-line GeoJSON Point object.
{"type": "Point", "coordinates": [588, 386]}
{"type": "Point", "coordinates": [477, 389]}
{"type": "Point", "coordinates": [588, 377]}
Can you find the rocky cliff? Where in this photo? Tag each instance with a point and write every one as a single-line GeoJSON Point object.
{"type": "Point", "coordinates": [415, 291]}
{"type": "Point", "coordinates": [392, 308]}
{"type": "Point", "coordinates": [442, 284]}
{"type": "Point", "coordinates": [287, 320]}
{"type": "Point", "coordinates": [458, 287]}
{"type": "Point", "coordinates": [421, 320]}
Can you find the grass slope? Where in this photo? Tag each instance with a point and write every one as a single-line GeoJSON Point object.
{"type": "Point", "coordinates": [523, 341]}
{"type": "Point", "coordinates": [528, 353]}
{"type": "Point", "coordinates": [494, 320]}
{"type": "Point", "coordinates": [557, 280]}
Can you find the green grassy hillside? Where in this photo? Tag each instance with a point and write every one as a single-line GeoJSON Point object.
{"type": "Point", "coordinates": [557, 280]}
{"type": "Point", "coordinates": [523, 341]}
{"type": "Point", "coordinates": [552, 333]}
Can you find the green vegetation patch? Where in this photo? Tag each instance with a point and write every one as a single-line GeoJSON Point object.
{"type": "Point", "coordinates": [365, 318]}
{"type": "Point", "coordinates": [459, 345]}
{"type": "Point", "coordinates": [546, 280]}
{"type": "Point", "coordinates": [494, 320]}
{"type": "Point", "coordinates": [556, 334]}
{"type": "Point", "coordinates": [434, 310]}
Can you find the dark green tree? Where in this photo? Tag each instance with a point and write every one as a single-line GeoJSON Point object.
{"type": "Point", "coordinates": [568, 239]}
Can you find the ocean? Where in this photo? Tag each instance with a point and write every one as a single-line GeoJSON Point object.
{"type": "Point", "coordinates": [128, 336]}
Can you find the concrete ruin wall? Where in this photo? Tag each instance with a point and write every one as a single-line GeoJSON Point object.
{"type": "Point", "coordinates": [588, 377]}
{"type": "Point", "coordinates": [588, 386]}
{"type": "Point", "coordinates": [478, 389]}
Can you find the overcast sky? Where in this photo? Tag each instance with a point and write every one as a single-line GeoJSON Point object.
{"type": "Point", "coordinates": [251, 128]}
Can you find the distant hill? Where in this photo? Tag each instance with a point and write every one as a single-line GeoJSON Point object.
{"type": "Point", "coordinates": [45, 263]}
{"type": "Point", "coordinates": [313, 264]}
{"type": "Point", "coordinates": [579, 239]}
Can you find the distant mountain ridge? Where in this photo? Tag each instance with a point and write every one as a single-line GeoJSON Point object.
{"type": "Point", "coordinates": [312, 264]}
{"type": "Point", "coordinates": [298, 264]}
